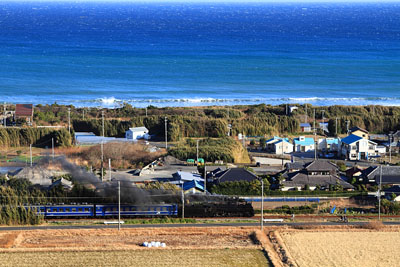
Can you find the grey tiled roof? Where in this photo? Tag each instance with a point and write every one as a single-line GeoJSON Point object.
{"type": "Point", "coordinates": [302, 179]}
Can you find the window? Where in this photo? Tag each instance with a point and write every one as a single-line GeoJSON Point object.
{"type": "Point", "coordinates": [86, 209]}
{"type": "Point", "coordinates": [80, 209]}
{"type": "Point", "coordinates": [67, 210]}
{"type": "Point", "coordinates": [73, 209]}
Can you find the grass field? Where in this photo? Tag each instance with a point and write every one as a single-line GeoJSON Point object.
{"type": "Point", "coordinates": [362, 248]}
{"type": "Point", "coordinates": [151, 257]}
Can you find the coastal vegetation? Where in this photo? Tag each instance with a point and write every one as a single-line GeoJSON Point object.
{"type": "Point", "coordinates": [41, 137]}
{"type": "Point", "coordinates": [225, 149]}
{"type": "Point", "coordinates": [253, 120]}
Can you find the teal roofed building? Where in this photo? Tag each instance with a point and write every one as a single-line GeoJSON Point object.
{"type": "Point", "coordinates": [304, 144]}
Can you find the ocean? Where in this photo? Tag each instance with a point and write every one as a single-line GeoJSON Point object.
{"type": "Point", "coordinates": [103, 54]}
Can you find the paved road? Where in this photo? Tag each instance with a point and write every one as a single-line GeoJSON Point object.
{"type": "Point", "coordinates": [69, 227]}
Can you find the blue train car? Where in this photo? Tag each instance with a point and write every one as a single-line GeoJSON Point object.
{"type": "Point", "coordinates": [69, 211]}
{"type": "Point", "coordinates": [111, 210]}
{"type": "Point", "coordinates": [134, 210]}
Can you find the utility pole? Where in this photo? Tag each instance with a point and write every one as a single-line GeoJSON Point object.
{"type": "Point", "coordinates": [306, 117]}
{"type": "Point", "coordinates": [197, 151]}
{"type": "Point", "coordinates": [323, 121]}
{"type": "Point", "coordinates": [336, 126]}
{"type": "Point", "coordinates": [83, 114]}
{"type": "Point", "coordinates": [286, 109]}
{"type": "Point", "coordinates": [30, 152]}
{"type": "Point", "coordinates": [315, 137]}
{"type": "Point", "coordinates": [119, 205]}
{"type": "Point", "coordinates": [244, 140]}
{"type": "Point", "coordinates": [379, 194]}
{"type": "Point", "coordinates": [228, 112]}
{"type": "Point", "coordinates": [347, 126]}
{"type": "Point", "coordinates": [183, 203]}
{"type": "Point", "coordinates": [314, 122]}
{"type": "Point", "coordinates": [102, 159]}
{"type": "Point", "coordinates": [205, 178]}
{"type": "Point", "coordinates": [69, 120]}
{"type": "Point", "coordinates": [146, 111]}
{"type": "Point", "coordinates": [262, 204]}
{"type": "Point", "coordinates": [5, 117]}
{"type": "Point", "coordinates": [166, 134]}
{"type": "Point", "coordinates": [390, 148]}
{"type": "Point", "coordinates": [109, 168]}
{"type": "Point", "coordinates": [52, 147]}
{"type": "Point", "coordinates": [102, 121]}
{"type": "Point", "coordinates": [283, 143]}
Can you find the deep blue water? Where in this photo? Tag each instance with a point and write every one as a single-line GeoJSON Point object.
{"type": "Point", "coordinates": [92, 54]}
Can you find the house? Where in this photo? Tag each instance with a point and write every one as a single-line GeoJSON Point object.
{"type": "Point", "coordinates": [137, 133]}
{"type": "Point", "coordinates": [24, 111]}
{"type": "Point", "coordinates": [390, 175]}
{"type": "Point", "coordinates": [318, 173]}
{"type": "Point", "coordinates": [304, 144]}
{"type": "Point", "coordinates": [355, 147]}
{"type": "Point", "coordinates": [355, 172]}
{"type": "Point", "coordinates": [233, 175]}
{"type": "Point", "coordinates": [275, 145]}
{"type": "Point", "coordinates": [193, 187]}
{"type": "Point", "coordinates": [359, 132]}
{"type": "Point", "coordinates": [329, 144]}
{"type": "Point", "coordinates": [305, 127]}
{"type": "Point", "coordinates": [182, 177]}
{"type": "Point", "coordinates": [65, 184]}
{"type": "Point", "coordinates": [283, 147]}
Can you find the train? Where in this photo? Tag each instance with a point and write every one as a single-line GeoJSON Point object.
{"type": "Point", "coordinates": [106, 210]}
{"type": "Point", "coordinates": [221, 208]}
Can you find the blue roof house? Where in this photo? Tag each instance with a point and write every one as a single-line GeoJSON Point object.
{"type": "Point", "coordinates": [354, 147]}
{"type": "Point", "coordinates": [304, 144]}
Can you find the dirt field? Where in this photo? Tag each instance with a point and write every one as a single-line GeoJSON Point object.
{"type": "Point", "coordinates": [343, 248]}
{"type": "Point", "coordinates": [157, 257]}
{"type": "Point", "coordinates": [106, 239]}
{"type": "Point", "coordinates": [230, 246]}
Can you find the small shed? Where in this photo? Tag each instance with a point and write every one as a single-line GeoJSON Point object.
{"type": "Point", "coordinates": [305, 127]}
{"type": "Point", "coordinates": [137, 133]}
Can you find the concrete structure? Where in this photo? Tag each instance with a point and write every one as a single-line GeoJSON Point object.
{"type": "Point", "coordinates": [137, 133]}
{"type": "Point", "coordinates": [355, 147]}
{"type": "Point", "coordinates": [304, 144]}
{"type": "Point", "coordinates": [305, 127]}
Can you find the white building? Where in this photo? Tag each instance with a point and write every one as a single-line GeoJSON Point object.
{"type": "Point", "coordinates": [283, 146]}
{"type": "Point", "coordinates": [329, 144]}
{"type": "Point", "coordinates": [358, 148]}
{"type": "Point", "coordinates": [137, 133]}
